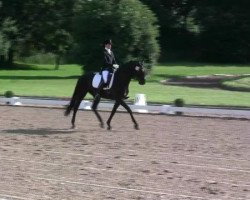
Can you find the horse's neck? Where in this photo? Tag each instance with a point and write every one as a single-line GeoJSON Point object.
{"type": "Point", "coordinates": [125, 75]}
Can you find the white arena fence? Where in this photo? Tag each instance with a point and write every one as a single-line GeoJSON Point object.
{"type": "Point", "coordinates": [139, 106]}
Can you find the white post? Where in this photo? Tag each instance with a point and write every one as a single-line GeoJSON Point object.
{"type": "Point", "coordinates": [85, 105]}
{"type": "Point", "coordinates": [167, 109]}
{"type": "Point", "coordinates": [15, 101]}
{"type": "Point", "coordinates": [140, 101]}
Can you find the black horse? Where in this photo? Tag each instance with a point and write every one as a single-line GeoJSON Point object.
{"type": "Point", "coordinates": [118, 91]}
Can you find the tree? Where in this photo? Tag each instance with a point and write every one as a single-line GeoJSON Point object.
{"type": "Point", "coordinates": [8, 35]}
{"type": "Point", "coordinates": [177, 32]}
{"type": "Point", "coordinates": [4, 46]}
{"type": "Point", "coordinates": [131, 25]}
{"type": "Point", "coordinates": [58, 38]}
{"type": "Point", "coordinates": [225, 30]}
{"type": "Point", "coordinates": [41, 25]}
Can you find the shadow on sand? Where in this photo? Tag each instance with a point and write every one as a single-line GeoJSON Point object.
{"type": "Point", "coordinates": [42, 131]}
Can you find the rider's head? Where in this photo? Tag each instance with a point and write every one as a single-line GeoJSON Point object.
{"type": "Point", "coordinates": [108, 43]}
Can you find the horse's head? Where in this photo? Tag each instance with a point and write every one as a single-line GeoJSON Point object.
{"type": "Point", "coordinates": [138, 72]}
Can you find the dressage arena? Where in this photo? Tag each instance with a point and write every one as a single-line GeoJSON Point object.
{"type": "Point", "coordinates": [170, 157]}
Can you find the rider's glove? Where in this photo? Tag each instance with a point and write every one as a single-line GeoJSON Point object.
{"type": "Point", "coordinates": [115, 66]}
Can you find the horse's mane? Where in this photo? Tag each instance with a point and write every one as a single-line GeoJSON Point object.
{"type": "Point", "coordinates": [128, 65]}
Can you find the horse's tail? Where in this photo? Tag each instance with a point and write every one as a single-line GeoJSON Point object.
{"type": "Point", "coordinates": [73, 98]}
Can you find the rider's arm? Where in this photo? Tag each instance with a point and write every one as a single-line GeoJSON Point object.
{"type": "Point", "coordinates": [115, 65]}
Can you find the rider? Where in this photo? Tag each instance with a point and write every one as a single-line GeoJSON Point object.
{"type": "Point", "coordinates": [108, 66]}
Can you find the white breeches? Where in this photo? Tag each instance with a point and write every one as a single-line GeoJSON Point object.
{"type": "Point", "coordinates": [105, 76]}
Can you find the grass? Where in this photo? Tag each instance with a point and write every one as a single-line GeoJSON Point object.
{"type": "Point", "coordinates": [43, 80]}
{"type": "Point", "coordinates": [193, 96]}
{"type": "Point", "coordinates": [40, 80]}
{"type": "Point", "coordinates": [242, 84]}
{"type": "Point", "coordinates": [194, 69]}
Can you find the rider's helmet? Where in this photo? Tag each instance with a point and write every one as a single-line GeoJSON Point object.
{"type": "Point", "coordinates": [108, 41]}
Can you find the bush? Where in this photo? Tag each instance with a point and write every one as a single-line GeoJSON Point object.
{"type": "Point", "coordinates": [179, 102]}
{"type": "Point", "coordinates": [9, 94]}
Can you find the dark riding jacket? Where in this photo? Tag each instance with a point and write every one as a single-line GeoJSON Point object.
{"type": "Point", "coordinates": [108, 61]}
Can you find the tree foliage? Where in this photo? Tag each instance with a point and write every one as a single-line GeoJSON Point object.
{"type": "Point", "coordinates": [207, 30]}
{"type": "Point", "coordinates": [41, 25]}
{"type": "Point", "coordinates": [130, 24]}
{"type": "Point", "coordinates": [177, 37]}
{"type": "Point", "coordinates": [8, 36]}
{"type": "Point", "coordinates": [225, 30]}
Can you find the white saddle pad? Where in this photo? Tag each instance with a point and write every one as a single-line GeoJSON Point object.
{"type": "Point", "coordinates": [97, 79]}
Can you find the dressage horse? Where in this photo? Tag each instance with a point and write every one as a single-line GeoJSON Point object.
{"type": "Point", "coordinates": [117, 92]}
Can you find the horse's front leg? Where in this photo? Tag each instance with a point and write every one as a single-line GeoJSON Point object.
{"type": "Point", "coordinates": [136, 126]}
{"type": "Point", "coordinates": [117, 103]}
{"type": "Point", "coordinates": [94, 108]}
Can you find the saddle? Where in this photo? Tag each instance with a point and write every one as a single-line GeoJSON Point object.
{"type": "Point", "coordinates": [98, 77]}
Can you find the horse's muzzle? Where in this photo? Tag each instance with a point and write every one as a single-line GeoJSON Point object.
{"type": "Point", "coordinates": [142, 82]}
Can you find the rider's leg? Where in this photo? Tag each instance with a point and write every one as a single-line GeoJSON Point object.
{"type": "Point", "coordinates": [104, 79]}
{"type": "Point", "coordinates": [105, 74]}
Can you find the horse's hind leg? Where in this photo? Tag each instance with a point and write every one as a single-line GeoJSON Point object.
{"type": "Point", "coordinates": [94, 108]}
{"type": "Point", "coordinates": [75, 108]}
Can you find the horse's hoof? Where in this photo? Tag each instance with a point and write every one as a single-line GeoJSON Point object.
{"type": "Point", "coordinates": [109, 128]}
{"type": "Point", "coordinates": [73, 127]}
{"type": "Point", "coordinates": [102, 125]}
{"type": "Point", "coordinates": [136, 127]}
